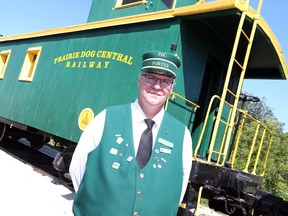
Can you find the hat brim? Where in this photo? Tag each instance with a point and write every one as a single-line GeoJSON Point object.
{"type": "Point", "coordinates": [159, 71]}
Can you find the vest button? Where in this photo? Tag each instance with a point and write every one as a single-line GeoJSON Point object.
{"type": "Point", "coordinates": [141, 175]}
{"type": "Point", "coordinates": [139, 194]}
{"type": "Point", "coordinates": [136, 214]}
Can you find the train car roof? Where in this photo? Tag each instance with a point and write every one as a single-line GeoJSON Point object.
{"type": "Point", "coordinates": [266, 61]}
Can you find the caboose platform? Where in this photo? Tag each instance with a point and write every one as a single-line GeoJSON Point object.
{"type": "Point", "coordinates": [26, 192]}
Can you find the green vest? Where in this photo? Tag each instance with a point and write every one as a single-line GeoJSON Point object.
{"type": "Point", "coordinates": [114, 184]}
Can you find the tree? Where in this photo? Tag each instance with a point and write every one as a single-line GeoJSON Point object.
{"type": "Point", "coordinates": [276, 175]}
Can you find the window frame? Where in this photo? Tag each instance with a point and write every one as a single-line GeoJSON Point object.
{"type": "Point", "coordinates": [4, 63]}
{"type": "Point", "coordinates": [119, 4]}
{"type": "Point", "coordinates": [30, 63]}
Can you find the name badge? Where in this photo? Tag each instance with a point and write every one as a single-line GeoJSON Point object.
{"type": "Point", "coordinates": [164, 150]}
{"type": "Point", "coordinates": [166, 143]}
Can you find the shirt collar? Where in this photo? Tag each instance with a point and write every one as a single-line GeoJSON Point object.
{"type": "Point", "coordinates": [139, 116]}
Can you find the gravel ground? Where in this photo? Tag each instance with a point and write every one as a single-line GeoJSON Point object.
{"type": "Point", "coordinates": [25, 192]}
{"type": "Point", "coordinates": [205, 211]}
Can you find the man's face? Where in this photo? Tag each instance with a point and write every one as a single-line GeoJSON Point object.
{"type": "Point", "coordinates": [154, 89]}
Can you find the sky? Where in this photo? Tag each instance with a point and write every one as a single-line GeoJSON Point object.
{"type": "Point", "coordinates": [19, 16]}
{"type": "Point", "coordinates": [275, 92]}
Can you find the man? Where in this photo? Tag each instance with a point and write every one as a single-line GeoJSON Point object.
{"type": "Point", "coordinates": [115, 175]}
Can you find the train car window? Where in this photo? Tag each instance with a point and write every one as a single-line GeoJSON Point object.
{"type": "Point", "coordinates": [169, 3]}
{"type": "Point", "coordinates": [4, 58]}
{"type": "Point", "coordinates": [30, 63]}
{"type": "Point", "coordinates": [128, 3]}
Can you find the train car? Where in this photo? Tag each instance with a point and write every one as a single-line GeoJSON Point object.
{"type": "Point", "coordinates": [53, 82]}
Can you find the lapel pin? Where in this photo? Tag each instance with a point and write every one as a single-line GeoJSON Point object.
{"type": "Point", "coordinates": [116, 165]}
{"type": "Point", "coordinates": [113, 151]}
{"type": "Point", "coordinates": [119, 140]}
{"type": "Point", "coordinates": [130, 158]}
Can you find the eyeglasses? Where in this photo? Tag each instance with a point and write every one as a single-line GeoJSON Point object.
{"type": "Point", "coordinates": [153, 80]}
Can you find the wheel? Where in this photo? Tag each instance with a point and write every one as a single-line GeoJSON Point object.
{"type": "Point", "coordinates": [61, 163]}
{"type": "Point", "coordinates": [65, 177]}
{"type": "Point", "coordinates": [37, 142]}
{"type": "Point", "coordinates": [2, 130]}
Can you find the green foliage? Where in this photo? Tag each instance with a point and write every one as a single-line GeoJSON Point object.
{"type": "Point", "coordinates": [276, 175]}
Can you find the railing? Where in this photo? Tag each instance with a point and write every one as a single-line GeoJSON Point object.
{"type": "Point", "coordinates": [212, 145]}
{"type": "Point", "coordinates": [173, 97]}
{"type": "Point", "coordinates": [264, 137]}
{"type": "Point", "coordinates": [182, 108]}
{"type": "Point", "coordinates": [234, 149]}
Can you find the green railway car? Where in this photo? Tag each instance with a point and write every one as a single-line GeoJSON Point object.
{"type": "Point", "coordinates": [53, 82]}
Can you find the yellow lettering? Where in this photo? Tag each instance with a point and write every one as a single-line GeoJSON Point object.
{"type": "Point", "coordinates": [119, 58]}
{"type": "Point", "coordinates": [91, 64]}
{"type": "Point", "coordinates": [99, 53]}
{"type": "Point", "coordinates": [106, 64]}
{"type": "Point", "coordinates": [103, 54]}
{"type": "Point", "coordinates": [93, 53]}
{"type": "Point", "coordinates": [125, 59]}
{"type": "Point", "coordinates": [76, 54]}
{"type": "Point", "coordinates": [114, 55]}
{"type": "Point", "coordinates": [82, 54]}
{"type": "Point", "coordinates": [98, 65]}
{"type": "Point", "coordinates": [130, 60]}
{"type": "Point", "coordinates": [68, 56]}
{"type": "Point", "coordinates": [109, 54]}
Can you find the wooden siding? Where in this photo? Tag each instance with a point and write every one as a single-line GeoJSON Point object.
{"type": "Point", "coordinates": [61, 89]}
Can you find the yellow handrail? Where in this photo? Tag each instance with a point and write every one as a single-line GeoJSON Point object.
{"type": "Point", "coordinates": [235, 151]}
{"type": "Point", "coordinates": [258, 153]}
{"type": "Point", "coordinates": [203, 128]}
{"type": "Point", "coordinates": [264, 135]}
{"type": "Point", "coordinates": [239, 133]}
{"type": "Point", "coordinates": [251, 149]}
{"type": "Point", "coordinates": [212, 144]}
{"type": "Point", "coordinates": [173, 96]}
{"type": "Point", "coordinates": [221, 153]}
